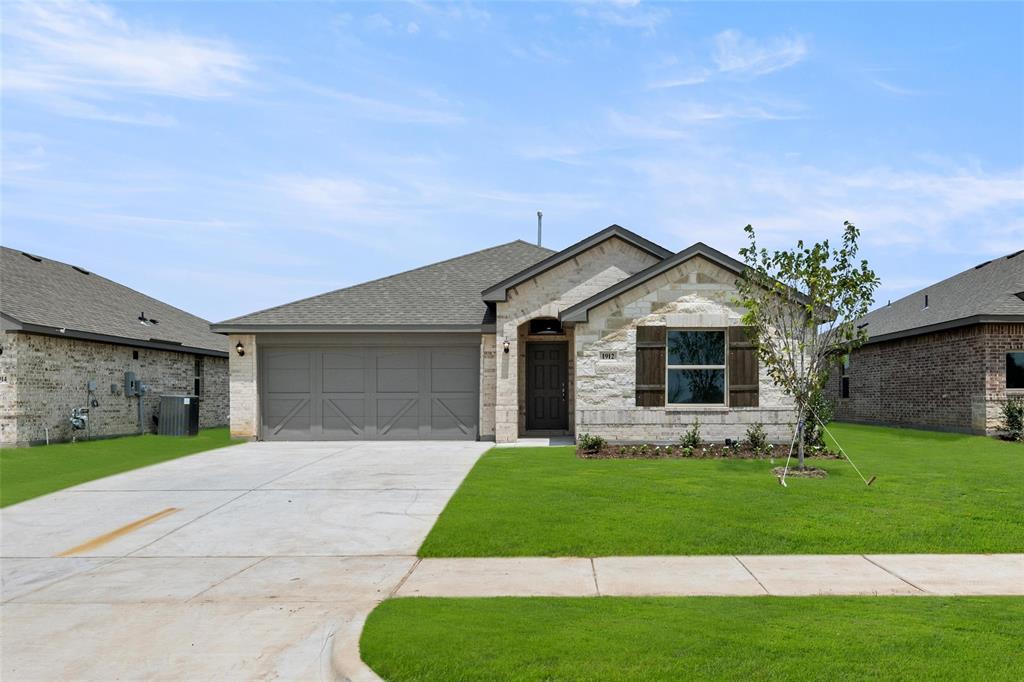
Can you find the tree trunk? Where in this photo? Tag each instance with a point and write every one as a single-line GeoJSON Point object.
{"type": "Point", "coordinates": [800, 438]}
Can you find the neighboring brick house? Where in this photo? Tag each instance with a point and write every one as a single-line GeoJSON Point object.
{"type": "Point", "coordinates": [68, 338]}
{"type": "Point", "coordinates": [614, 335]}
{"type": "Point", "coordinates": [944, 358]}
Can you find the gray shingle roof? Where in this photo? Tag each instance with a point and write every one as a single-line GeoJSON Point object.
{"type": "Point", "coordinates": [987, 291]}
{"type": "Point", "coordinates": [45, 295]}
{"type": "Point", "coordinates": [445, 294]}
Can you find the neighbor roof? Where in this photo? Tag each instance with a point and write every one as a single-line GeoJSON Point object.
{"type": "Point", "coordinates": [990, 292]}
{"type": "Point", "coordinates": [46, 296]}
{"type": "Point", "coordinates": [499, 291]}
{"type": "Point", "coordinates": [441, 296]}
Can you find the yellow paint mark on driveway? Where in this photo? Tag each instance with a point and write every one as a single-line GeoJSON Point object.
{"type": "Point", "coordinates": [101, 540]}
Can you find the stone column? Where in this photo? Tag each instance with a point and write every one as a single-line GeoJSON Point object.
{"type": "Point", "coordinates": [244, 392]}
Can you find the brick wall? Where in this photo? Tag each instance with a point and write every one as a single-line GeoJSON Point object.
{"type": "Point", "coordinates": [695, 294]}
{"type": "Point", "coordinates": [951, 380]}
{"type": "Point", "coordinates": [46, 376]}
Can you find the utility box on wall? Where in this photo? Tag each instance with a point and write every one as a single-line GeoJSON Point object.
{"type": "Point", "coordinates": [179, 415]}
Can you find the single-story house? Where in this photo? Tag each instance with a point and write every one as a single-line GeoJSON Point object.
{"type": "Point", "coordinates": [945, 358]}
{"type": "Point", "coordinates": [72, 339]}
{"type": "Point", "coordinates": [614, 336]}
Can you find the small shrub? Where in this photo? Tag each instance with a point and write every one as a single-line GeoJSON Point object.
{"type": "Point", "coordinates": [1013, 418]}
{"type": "Point", "coordinates": [691, 439]}
{"type": "Point", "coordinates": [757, 439]}
{"type": "Point", "coordinates": [590, 443]}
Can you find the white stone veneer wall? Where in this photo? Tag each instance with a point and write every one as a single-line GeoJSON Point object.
{"type": "Point", "coordinates": [488, 385]}
{"type": "Point", "coordinates": [546, 295]}
{"type": "Point", "coordinates": [695, 294]}
{"type": "Point", "coordinates": [245, 400]}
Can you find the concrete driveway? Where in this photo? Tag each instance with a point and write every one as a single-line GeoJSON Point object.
{"type": "Point", "coordinates": [259, 561]}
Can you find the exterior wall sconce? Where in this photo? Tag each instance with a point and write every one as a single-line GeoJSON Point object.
{"type": "Point", "coordinates": [240, 349]}
{"type": "Point", "coordinates": [504, 347]}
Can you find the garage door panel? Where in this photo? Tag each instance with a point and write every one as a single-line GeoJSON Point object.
{"type": "Point", "coordinates": [398, 418]}
{"type": "Point", "coordinates": [398, 380]}
{"type": "Point", "coordinates": [344, 372]}
{"type": "Point", "coordinates": [370, 393]}
{"type": "Point", "coordinates": [345, 418]}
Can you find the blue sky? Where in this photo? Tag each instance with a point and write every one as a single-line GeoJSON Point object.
{"type": "Point", "coordinates": [227, 157]}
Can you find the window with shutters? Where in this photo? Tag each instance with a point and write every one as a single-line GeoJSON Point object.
{"type": "Point", "coordinates": [695, 367]}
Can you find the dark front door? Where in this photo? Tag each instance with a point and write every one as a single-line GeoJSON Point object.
{"type": "Point", "coordinates": [546, 377]}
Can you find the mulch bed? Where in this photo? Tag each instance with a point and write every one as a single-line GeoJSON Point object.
{"type": "Point", "coordinates": [706, 451]}
{"type": "Point", "coordinates": [809, 472]}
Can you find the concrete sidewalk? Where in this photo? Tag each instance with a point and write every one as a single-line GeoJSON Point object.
{"type": "Point", "coordinates": [783, 575]}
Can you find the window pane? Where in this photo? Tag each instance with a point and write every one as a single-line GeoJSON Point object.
{"type": "Point", "coordinates": [696, 386]}
{"type": "Point", "coordinates": [1015, 370]}
{"type": "Point", "coordinates": [696, 348]}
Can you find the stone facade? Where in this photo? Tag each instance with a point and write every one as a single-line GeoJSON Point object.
{"type": "Point", "coordinates": [42, 378]}
{"type": "Point", "coordinates": [245, 396]}
{"type": "Point", "coordinates": [694, 294]}
{"type": "Point", "coordinates": [546, 295]}
{"type": "Point", "coordinates": [952, 380]}
{"type": "Point", "coordinates": [488, 385]}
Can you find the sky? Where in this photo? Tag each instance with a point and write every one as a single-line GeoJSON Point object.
{"type": "Point", "coordinates": [226, 157]}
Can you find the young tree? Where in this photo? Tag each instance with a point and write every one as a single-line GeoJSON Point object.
{"type": "Point", "coordinates": [803, 305]}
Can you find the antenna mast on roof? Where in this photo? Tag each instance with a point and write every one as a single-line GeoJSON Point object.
{"type": "Point", "coordinates": [540, 217]}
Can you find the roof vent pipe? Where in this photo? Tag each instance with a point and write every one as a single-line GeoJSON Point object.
{"type": "Point", "coordinates": [540, 217]}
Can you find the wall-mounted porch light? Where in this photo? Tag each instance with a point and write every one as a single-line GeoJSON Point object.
{"type": "Point", "coordinates": [240, 349]}
{"type": "Point", "coordinates": [504, 347]}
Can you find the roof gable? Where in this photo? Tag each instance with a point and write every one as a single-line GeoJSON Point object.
{"type": "Point", "coordinates": [499, 291]}
{"type": "Point", "coordinates": [45, 296]}
{"type": "Point", "coordinates": [439, 296]}
{"type": "Point", "coordinates": [580, 311]}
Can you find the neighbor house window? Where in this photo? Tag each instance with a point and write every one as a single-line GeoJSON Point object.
{"type": "Point", "coordinates": [1015, 370]}
{"type": "Point", "coordinates": [695, 362]}
{"type": "Point", "coordinates": [197, 383]}
{"type": "Point", "coordinates": [844, 381]}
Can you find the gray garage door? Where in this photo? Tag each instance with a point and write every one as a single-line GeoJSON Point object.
{"type": "Point", "coordinates": [370, 393]}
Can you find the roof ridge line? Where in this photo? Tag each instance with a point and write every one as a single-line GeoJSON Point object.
{"type": "Point", "coordinates": [379, 279]}
{"type": "Point", "coordinates": [93, 273]}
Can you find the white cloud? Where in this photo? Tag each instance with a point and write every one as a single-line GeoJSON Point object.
{"type": "Point", "coordinates": [938, 209]}
{"type": "Point", "coordinates": [86, 50]}
{"type": "Point", "coordinates": [737, 54]}
{"type": "Point", "coordinates": [412, 28]}
{"type": "Point", "coordinates": [693, 77]}
{"type": "Point", "coordinates": [629, 14]}
{"type": "Point", "coordinates": [372, 107]}
{"type": "Point", "coordinates": [378, 22]}
{"type": "Point", "coordinates": [680, 120]}
{"type": "Point", "coordinates": [896, 89]}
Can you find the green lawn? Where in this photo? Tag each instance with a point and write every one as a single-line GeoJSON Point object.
{"type": "Point", "coordinates": [729, 638]}
{"type": "Point", "coordinates": [30, 472]}
{"type": "Point", "coordinates": [935, 492]}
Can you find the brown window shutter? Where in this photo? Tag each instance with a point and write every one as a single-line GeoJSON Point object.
{"type": "Point", "coordinates": [743, 375]}
{"type": "Point", "coordinates": [650, 366]}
